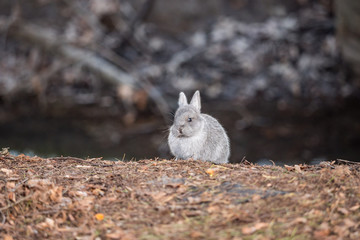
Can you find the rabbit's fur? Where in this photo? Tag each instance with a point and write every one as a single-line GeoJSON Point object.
{"type": "Point", "coordinates": [196, 135]}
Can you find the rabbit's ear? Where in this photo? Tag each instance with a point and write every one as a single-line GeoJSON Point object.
{"type": "Point", "coordinates": [182, 100]}
{"type": "Point", "coordinates": [195, 101]}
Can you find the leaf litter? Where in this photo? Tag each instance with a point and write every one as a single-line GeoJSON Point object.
{"type": "Point", "coordinates": [72, 198]}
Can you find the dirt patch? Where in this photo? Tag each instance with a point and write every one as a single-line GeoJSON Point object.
{"type": "Point", "coordinates": [71, 198]}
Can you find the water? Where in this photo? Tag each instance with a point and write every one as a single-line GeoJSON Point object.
{"type": "Point", "coordinates": [265, 135]}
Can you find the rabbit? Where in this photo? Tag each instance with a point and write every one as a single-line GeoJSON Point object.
{"type": "Point", "coordinates": [196, 135]}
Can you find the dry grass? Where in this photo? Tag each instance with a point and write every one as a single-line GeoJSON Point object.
{"type": "Point", "coordinates": [70, 198]}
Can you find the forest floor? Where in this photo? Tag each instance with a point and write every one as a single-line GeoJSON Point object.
{"type": "Point", "coordinates": [72, 198]}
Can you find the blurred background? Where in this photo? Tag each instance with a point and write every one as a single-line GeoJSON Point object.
{"type": "Point", "coordinates": [100, 78]}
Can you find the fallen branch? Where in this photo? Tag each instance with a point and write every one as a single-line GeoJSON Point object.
{"type": "Point", "coordinates": [48, 40]}
{"type": "Point", "coordinates": [73, 158]}
{"type": "Point", "coordinates": [346, 162]}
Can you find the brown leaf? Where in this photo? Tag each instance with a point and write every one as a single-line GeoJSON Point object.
{"type": "Point", "coordinates": [269, 177]}
{"type": "Point", "coordinates": [289, 168]}
{"type": "Point", "coordinates": [342, 171]}
{"type": "Point", "coordinates": [8, 237]}
{"type": "Point", "coordinates": [48, 223]}
{"type": "Point", "coordinates": [99, 216]}
{"type": "Point", "coordinates": [298, 220]}
{"type": "Point", "coordinates": [8, 172]}
{"type": "Point", "coordinates": [10, 185]}
{"type": "Point", "coordinates": [39, 183]}
{"type": "Point", "coordinates": [298, 169]}
{"type": "Point", "coordinates": [5, 151]}
{"type": "Point", "coordinates": [56, 194]}
{"type": "Point", "coordinates": [12, 196]}
{"type": "Point", "coordinates": [343, 211]}
{"type": "Point", "coordinates": [98, 192]}
{"type": "Point", "coordinates": [256, 197]}
{"type": "Point", "coordinates": [342, 231]}
{"type": "Point", "coordinates": [120, 234]}
{"type": "Point", "coordinates": [354, 208]}
{"type": "Point", "coordinates": [196, 234]}
{"type": "Point", "coordinates": [213, 209]}
{"type": "Point", "coordinates": [349, 223]}
{"type": "Point", "coordinates": [249, 230]}
{"type": "Point", "coordinates": [320, 234]}
{"type": "Point", "coordinates": [161, 197]}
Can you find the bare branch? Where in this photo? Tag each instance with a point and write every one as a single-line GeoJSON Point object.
{"type": "Point", "coordinates": [49, 40]}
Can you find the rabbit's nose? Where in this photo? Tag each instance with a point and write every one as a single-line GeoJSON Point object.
{"type": "Point", "coordinates": [180, 130]}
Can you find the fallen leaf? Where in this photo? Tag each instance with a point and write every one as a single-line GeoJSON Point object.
{"type": "Point", "coordinates": [341, 231]}
{"type": "Point", "coordinates": [298, 220]}
{"type": "Point", "coordinates": [10, 185]}
{"type": "Point", "coordinates": [120, 234]}
{"type": "Point", "coordinates": [99, 216]}
{"type": "Point", "coordinates": [48, 223]}
{"type": "Point", "coordinates": [6, 171]}
{"type": "Point", "coordinates": [5, 151]}
{"type": "Point", "coordinates": [354, 208]}
{"type": "Point", "coordinates": [256, 197]}
{"type": "Point", "coordinates": [269, 177]}
{"type": "Point", "coordinates": [320, 234]}
{"type": "Point", "coordinates": [98, 192]}
{"type": "Point", "coordinates": [343, 211]}
{"type": "Point", "coordinates": [56, 194]}
{"type": "Point", "coordinates": [298, 169]}
{"type": "Point", "coordinates": [213, 209]}
{"type": "Point", "coordinates": [252, 229]}
{"type": "Point", "coordinates": [196, 234]}
{"type": "Point", "coordinates": [38, 183]}
{"type": "Point", "coordinates": [161, 197]}
{"type": "Point", "coordinates": [349, 223]}
{"type": "Point", "coordinates": [78, 194]}
{"type": "Point", "coordinates": [289, 168]}
{"type": "Point", "coordinates": [12, 196]}
{"type": "Point", "coordinates": [8, 237]}
{"type": "Point", "coordinates": [83, 166]}
{"type": "Point", "coordinates": [210, 171]}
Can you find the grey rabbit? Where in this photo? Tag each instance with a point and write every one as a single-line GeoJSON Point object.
{"type": "Point", "coordinates": [196, 135]}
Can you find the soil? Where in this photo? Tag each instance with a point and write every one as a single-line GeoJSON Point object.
{"type": "Point", "coordinates": [72, 198]}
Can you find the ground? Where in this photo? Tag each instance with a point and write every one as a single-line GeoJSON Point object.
{"type": "Point", "coordinates": [72, 198]}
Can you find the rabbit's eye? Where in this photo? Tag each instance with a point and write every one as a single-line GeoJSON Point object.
{"type": "Point", "coordinates": [189, 119]}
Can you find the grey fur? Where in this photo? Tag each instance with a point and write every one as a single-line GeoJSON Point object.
{"type": "Point", "coordinates": [201, 138]}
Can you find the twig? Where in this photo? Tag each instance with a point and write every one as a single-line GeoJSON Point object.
{"type": "Point", "coordinates": [3, 218]}
{"type": "Point", "coordinates": [19, 184]}
{"type": "Point", "coordinates": [347, 161]}
{"type": "Point", "coordinates": [72, 158]}
{"type": "Point", "coordinates": [66, 159]}
{"type": "Point", "coordinates": [17, 202]}
{"type": "Point", "coordinates": [243, 160]}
